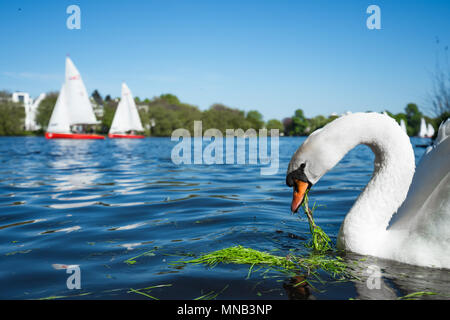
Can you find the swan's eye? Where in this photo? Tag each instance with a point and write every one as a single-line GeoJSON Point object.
{"type": "Point", "coordinates": [296, 174]}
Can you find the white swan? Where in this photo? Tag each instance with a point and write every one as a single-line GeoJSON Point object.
{"type": "Point", "coordinates": [419, 232]}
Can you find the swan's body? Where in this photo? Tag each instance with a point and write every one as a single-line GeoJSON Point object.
{"type": "Point", "coordinates": [389, 219]}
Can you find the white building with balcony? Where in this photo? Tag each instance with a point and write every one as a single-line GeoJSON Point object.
{"type": "Point", "coordinates": [30, 106]}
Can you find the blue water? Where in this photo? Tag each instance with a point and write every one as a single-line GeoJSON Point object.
{"type": "Point", "coordinates": [97, 204]}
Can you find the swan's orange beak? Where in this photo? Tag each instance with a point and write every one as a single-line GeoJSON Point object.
{"type": "Point", "coordinates": [300, 188]}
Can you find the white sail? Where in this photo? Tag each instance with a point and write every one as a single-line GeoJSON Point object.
{"type": "Point", "coordinates": [423, 129]}
{"type": "Point", "coordinates": [136, 123]}
{"type": "Point", "coordinates": [403, 125]}
{"type": "Point", "coordinates": [430, 131]}
{"type": "Point", "coordinates": [126, 117]}
{"type": "Point", "coordinates": [79, 106]}
{"type": "Point", "coordinates": [59, 120]}
{"type": "Point", "coordinates": [121, 120]}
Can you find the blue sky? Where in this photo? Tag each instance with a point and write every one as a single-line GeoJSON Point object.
{"type": "Point", "coordinates": [272, 56]}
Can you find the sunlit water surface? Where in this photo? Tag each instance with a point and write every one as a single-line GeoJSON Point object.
{"type": "Point", "coordinates": [97, 204]}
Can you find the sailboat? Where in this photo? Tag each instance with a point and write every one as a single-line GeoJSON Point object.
{"type": "Point", "coordinates": [72, 108]}
{"type": "Point", "coordinates": [423, 129]}
{"type": "Point", "coordinates": [403, 125]}
{"type": "Point", "coordinates": [430, 131]}
{"type": "Point", "coordinates": [126, 119]}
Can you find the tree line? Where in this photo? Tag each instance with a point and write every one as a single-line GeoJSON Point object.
{"type": "Point", "coordinates": [299, 125]}
{"type": "Point", "coordinates": [161, 115]}
{"type": "Point", "coordinates": [12, 116]}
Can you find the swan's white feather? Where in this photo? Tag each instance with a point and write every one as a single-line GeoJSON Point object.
{"type": "Point", "coordinates": [421, 227]}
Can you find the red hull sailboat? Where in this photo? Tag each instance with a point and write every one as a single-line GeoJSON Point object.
{"type": "Point", "coordinates": [50, 135]}
{"type": "Point", "coordinates": [126, 136]}
{"type": "Point", "coordinates": [72, 108]}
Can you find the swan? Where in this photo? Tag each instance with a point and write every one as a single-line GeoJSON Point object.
{"type": "Point", "coordinates": [403, 213]}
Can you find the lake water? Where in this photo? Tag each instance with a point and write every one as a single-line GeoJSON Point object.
{"type": "Point", "coordinates": [98, 204]}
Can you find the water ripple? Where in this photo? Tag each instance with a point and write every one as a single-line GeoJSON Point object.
{"type": "Point", "coordinates": [102, 204]}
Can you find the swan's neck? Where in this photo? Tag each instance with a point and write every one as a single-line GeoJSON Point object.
{"type": "Point", "coordinates": [366, 223]}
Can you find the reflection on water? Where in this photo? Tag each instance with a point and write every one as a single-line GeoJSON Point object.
{"type": "Point", "coordinates": [398, 279]}
{"type": "Point", "coordinates": [123, 212]}
{"type": "Point", "coordinates": [73, 164]}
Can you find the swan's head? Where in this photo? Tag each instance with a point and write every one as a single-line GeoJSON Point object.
{"type": "Point", "coordinates": [310, 162]}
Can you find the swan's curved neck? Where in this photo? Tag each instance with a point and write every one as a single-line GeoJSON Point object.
{"type": "Point", "coordinates": [394, 164]}
{"type": "Point", "coordinates": [365, 224]}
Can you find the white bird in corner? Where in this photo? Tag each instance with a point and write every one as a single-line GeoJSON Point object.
{"type": "Point", "coordinates": [403, 213]}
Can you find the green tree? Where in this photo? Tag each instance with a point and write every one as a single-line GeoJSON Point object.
{"type": "Point", "coordinates": [97, 97]}
{"type": "Point", "coordinates": [255, 119]}
{"type": "Point", "coordinates": [109, 109]}
{"type": "Point", "coordinates": [168, 114]}
{"type": "Point", "coordinates": [316, 123]}
{"type": "Point", "coordinates": [222, 117]}
{"type": "Point", "coordinates": [12, 118]}
{"type": "Point", "coordinates": [274, 124]}
{"type": "Point", "coordinates": [4, 95]}
{"type": "Point", "coordinates": [45, 109]}
{"type": "Point", "coordinates": [170, 99]}
{"type": "Point", "coordinates": [413, 117]}
{"type": "Point", "coordinates": [299, 123]}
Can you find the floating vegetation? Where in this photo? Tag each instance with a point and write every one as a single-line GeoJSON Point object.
{"type": "Point", "coordinates": [53, 297]}
{"type": "Point", "coordinates": [334, 266]}
{"type": "Point", "coordinates": [211, 295]}
{"type": "Point", "coordinates": [146, 291]}
{"type": "Point", "coordinates": [320, 241]}
{"type": "Point", "coordinates": [149, 253]}
{"type": "Point", "coordinates": [16, 252]}
{"type": "Point", "coordinates": [290, 264]}
{"type": "Point", "coordinates": [241, 255]}
{"type": "Point", "coordinates": [417, 295]}
{"type": "Point", "coordinates": [65, 297]}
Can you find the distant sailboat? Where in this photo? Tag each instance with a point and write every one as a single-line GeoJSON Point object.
{"type": "Point", "coordinates": [403, 125]}
{"type": "Point", "coordinates": [72, 108]}
{"type": "Point", "coordinates": [423, 129]}
{"type": "Point", "coordinates": [126, 118]}
{"type": "Point", "coordinates": [430, 131]}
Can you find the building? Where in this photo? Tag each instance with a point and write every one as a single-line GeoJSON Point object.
{"type": "Point", "coordinates": [30, 108]}
{"type": "Point", "coordinates": [98, 108]}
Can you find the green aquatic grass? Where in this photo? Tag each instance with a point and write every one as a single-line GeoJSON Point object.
{"type": "Point", "coordinates": [320, 241]}
{"type": "Point", "coordinates": [290, 264]}
{"type": "Point", "coordinates": [63, 297]}
{"type": "Point", "coordinates": [53, 297]}
{"type": "Point", "coordinates": [241, 255]}
{"type": "Point", "coordinates": [142, 293]}
{"type": "Point", "coordinates": [145, 291]}
{"type": "Point", "coordinates": [417, 295]}
{"type": "Point", "coordinates": [211, 295]}
{"type": "Point", "coordinates": [149, 253]}
{"type": "Point", "coordinates": [334, 266]}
